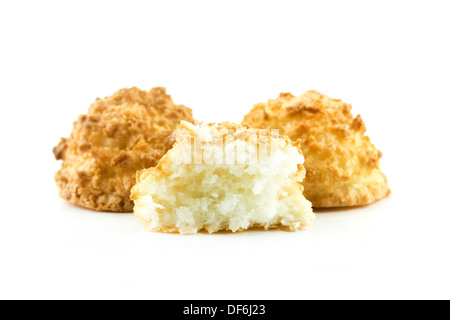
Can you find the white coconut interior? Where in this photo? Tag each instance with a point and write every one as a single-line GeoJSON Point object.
{"type": "Point", "coordinates": [260, 192]}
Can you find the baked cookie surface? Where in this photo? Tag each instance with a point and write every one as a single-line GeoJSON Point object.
{"type": "Point", "coordinates": [128, 131]}
{"type": "Point", "coordinates": [342, 165]}
{"type": "Point", "coordinates": [224, 177]}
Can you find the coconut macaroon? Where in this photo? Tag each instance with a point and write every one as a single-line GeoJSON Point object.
{"type": "Point", "coordinates": [224, 177]}
{"type": "Point", "coordinates": [342, 164]}
{"type": "Point", "coordinates": [128, 131]}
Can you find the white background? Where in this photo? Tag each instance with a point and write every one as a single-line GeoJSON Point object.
{"type": "Point", "coordinates": [390, 59]}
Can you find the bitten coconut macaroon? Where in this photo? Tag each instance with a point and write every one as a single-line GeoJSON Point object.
{"type": "Point", "coordinates": [342, 165]}
{"type": "Point", "coordinates": [224, 177]}
{"type": "Point", "coordinates": [128, 131]}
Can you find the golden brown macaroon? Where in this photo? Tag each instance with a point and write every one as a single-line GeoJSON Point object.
{"type": "Point", "coordinates": [342, 165]}
{"type": "Point", "coordinates": [128, 131]}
